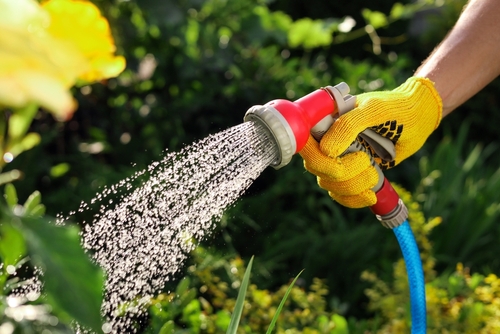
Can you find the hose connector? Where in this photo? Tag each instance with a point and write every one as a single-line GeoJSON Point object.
{"type": "Point", "coordinates": [396, 217]}
{"type": "Point", "coordinates": [389, 209]}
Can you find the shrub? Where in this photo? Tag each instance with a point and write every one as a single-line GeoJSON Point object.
{"type": "Point", "coordinates": [457, 302]}
{"type": "Point", "coordinates": [204, 303]}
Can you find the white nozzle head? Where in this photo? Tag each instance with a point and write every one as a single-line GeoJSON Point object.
{"type": "Point", "coordinates": [279, 129]}
{"type": "Point", "coordinates": [344, 101]}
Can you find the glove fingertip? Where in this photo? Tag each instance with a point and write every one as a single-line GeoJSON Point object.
{"type": "Point", "coordinates": [311, 148]}
{"type": "Point", "coordinates": [340, 136]}
{"type": "Point", "coordinates": [363, 200]}
{"type": "Point", "coordinates": [312, 156]}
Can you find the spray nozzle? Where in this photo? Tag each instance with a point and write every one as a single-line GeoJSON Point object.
{"type": "Point", "coordinates": [289, 123]}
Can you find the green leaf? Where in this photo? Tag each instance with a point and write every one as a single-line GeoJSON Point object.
{"type": "Point", "coordinates": [311, 33]}
{"type": "Point", "coordinates": [33, 201]}
{"type": "Point", "coordinates": [191, 315]}
{"type": "Point", "coordinates": [20, 121]}
{"type": "Point", "coordinates": [273, 20]}
{"type": "Point", "coordinates": [282, 303]}
{"type": "Point", "coordinates": [72, 282]}
{"type": "Point", "coordinates": [182, 286]}
{"type": "Point", "coordinates": [10, 195]}
{"type": "Point", "coordinates": [374, 18]}
{"type": "Point", "coordinates": [59, 170]}
{"type": "Point", "coordinates": [10, 176]}
{"type": "Point", "coordinates": [12, 244]}
{"type": "Point", "coordinates": [30, 140]}
{"type": "Point", "coordinates": [223, 319]}
{"type": "Point", "coordinates": [37, 211]}
{"type": "Point", "coordinates": [240, 301]}
{"type": "Point", "coordinates": [192, 35]}
{"type": "Point", "coordinates": [167, 328]}
{"type": "Point", "coordinates": [397, 11]}
{"type": "Point", "coordinates": [186, 298]}
{"type": "Point", "coordinates": [341, 325]}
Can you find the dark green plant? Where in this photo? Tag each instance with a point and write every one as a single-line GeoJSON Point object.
{"type": "Point", "coordinates": [209, 61]}
{"type": "Point", "coordinates": [458, 301]}
{"type": "Point", "coordinates": [211, 306]}
{"type": "Point", "coordinates": [44, 270]}
{"type": "Point", "coordinates": [458, 185]}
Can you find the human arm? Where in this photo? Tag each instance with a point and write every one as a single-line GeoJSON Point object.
{"type": "Point", "coordinates": [469, 57]}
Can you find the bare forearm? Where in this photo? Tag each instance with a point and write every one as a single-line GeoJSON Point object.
{"type": "Point", "coordinates": [469, 57]}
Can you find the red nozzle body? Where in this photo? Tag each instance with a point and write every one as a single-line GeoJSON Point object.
{"type": "Point", "coordinates": [387, 199]}
{"type": "Point", "coordinates": [389, 209]}
{"type": "Point", "coordinates": [304, 113]}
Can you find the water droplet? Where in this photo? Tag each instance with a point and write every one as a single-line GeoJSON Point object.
{"type": "Point", "coordinates": [8, 157]}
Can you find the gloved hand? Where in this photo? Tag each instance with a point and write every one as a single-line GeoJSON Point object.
{"type": "Point", "coordinates": [406, 115]}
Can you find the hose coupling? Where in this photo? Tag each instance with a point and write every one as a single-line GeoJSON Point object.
{"type": "Point", "coordinates": [396, 217]}
{"type": "Point", "coordinates": [389, 209]}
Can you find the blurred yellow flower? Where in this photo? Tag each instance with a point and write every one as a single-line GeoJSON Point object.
{"type": "Point", "coordinates": [80, 23]}
{"type": "Point", "coordinates": [42, 56]}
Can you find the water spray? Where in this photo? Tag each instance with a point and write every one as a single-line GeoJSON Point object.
{"type": "Point", "coordinates": [289, 125]}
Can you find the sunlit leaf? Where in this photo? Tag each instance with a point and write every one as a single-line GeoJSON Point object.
{"type": "Point", "coordinates": [341, 326]}
{"type": "Point", "coordinates": [12, 245]}
{"type": "Point", "coordinates": [33, 200]}
{"type": "Point", "coordinates": [192, 35]}
{"type": "Point", "coordinates": [10, 176]}
{"type": "Point", "coordinates": [240, 301]}
{"type": "Point", "coordinates": [37, 211]}
{"type": "Point", "coordinates": [10, 195]}
{"type": "Point", "coordinates": [273, 20]}
{"type": "Point", "coordinates": [21, 120]}
{"type": "Point", "coordinates": [167, 328]}
{"type": "Point", "coordinates": [59, 170]}
{"type": "Point", "coordinates": [310, 33]}
{"type": "Point", "coordinates": [72, 282]}
{"type": "Point", "coordinates": [282, 303]}
{"type": "Point", "coordinates": [30, 140]}
{"type": "Point", "coordinates": [223, 319]}
{"type": "Point", "coordinates": [374, 18]}
{"type": "Point", "coordinates": [397, 11]}
{"type": "Point", "coordinates": [191, 314]}
{"type": "Point", "coordinates": [186, 298]}
{"type": "Point", "coordinates": [182, 286]}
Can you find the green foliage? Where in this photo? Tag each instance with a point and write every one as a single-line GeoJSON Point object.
{"type": "Point", "coordinates": [458, 184]}
{"type": "Point", "coordinates": [72, 284]}
{"type": "Point", "coordinates": [391, 301]}
{"type": "Point", "coordinates": [312, 33]}
{"type": "Point", "coordinates": [290, 308]}
{"type": "Point", "coordinates": [194, 67]}
{"type": "Point", "coordinates": [15, 138]}
{"type": "Point", "coordinates": [240, 300]}
{"type": "Point", "coordinates": [282, 303]}
{"type": "Point", "coordinates": [458, 302]}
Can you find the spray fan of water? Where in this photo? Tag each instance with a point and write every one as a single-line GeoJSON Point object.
{"type": "Point", "coordinates": [144, 239]}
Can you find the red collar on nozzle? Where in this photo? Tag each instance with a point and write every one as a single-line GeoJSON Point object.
{"type": "Point", "coordinates": [289, 123]}
{"type": "Point", "coordinates": [303, 114]}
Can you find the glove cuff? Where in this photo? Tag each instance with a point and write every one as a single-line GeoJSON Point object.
{"type": "Point", "coordinates": [427, 87]}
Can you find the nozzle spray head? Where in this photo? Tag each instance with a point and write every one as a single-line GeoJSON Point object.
{"type": "Point", "coordinates": [278, 129]}
{"type": "Point", "coordinates": [290, 123]}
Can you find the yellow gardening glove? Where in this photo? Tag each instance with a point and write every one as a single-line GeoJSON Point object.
{"type": "Point", "coordinates": [406, 115]}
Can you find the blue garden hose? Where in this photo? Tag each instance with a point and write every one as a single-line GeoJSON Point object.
{"type": "Point", "coordinates": [415, 272]}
